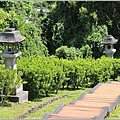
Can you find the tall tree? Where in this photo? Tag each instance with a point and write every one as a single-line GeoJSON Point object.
{"type": "Point", "coordinates": [24, 17]}
{"type": "Point", "coordinates": [107, 14]}
{"type": "Point", "coordinates": [75, 20]}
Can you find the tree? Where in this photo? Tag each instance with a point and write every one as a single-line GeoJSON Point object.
{"type": "Point", "coordinates": [107, 14]}
{"type": "Point", "coordinates": [63, 23]}
{"type": "Point", "coordinates": [65, 27]}
{"type": "Point", "coordinates": [21, 16]}
{"type": "Point", "coordinates": [3, 16]}
{"type": "Point", "coordinates": [79, 19]}
{"type": "Point", "coordinates": [3, 23]}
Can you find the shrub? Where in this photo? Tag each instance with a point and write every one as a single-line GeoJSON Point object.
{"type": "Point", "coordinates": [47, 75]}
{"type": "Point", "coordinates": [86, 51]}
{"type": "Point", "coordinates": [68, 53]}
{"type": "Point", "coordinates": [9, 80]}
{"type": "Point", "coordinates": [41, 74]}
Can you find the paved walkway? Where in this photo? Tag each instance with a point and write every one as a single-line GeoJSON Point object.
{"type": "Point", "coordinates": [97, 104]}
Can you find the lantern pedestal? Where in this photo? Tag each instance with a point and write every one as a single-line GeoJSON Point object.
{"type": "Point", "coordinates": [17, 95]}
{"type": "Point", "coordinates": [110, 52]}
{"type": "Point", "coordinates": [10, 59]}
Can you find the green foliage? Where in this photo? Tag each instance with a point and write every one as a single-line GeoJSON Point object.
{"type": "Point", "coordinates": [84, 23]}
{"type": "Point", "coordinates": [47, 75]}
{"type": "Point", "coordinates": [78, 27]}
{"type": "Point", "coordinates": [3, 23]}
{"type": "Point", "coordinates": [94, 38]}
{"type": "Point", "coordinates": [115, 114]}
{"type": "Point", "coordinates": [57, 38]}
{"type": "Point", "coordinates": [3, 16]}
{"type": "Point", "coordinates": [24, 17]}
{"type": "Point", "coordinates": [86, 51]}
{"type": "Point", "coordinates": [67, 53]}
{"type": "Point", "coordinates": [116, 67]}
{"type": "Point", "coordinates": [8, 82]}
{"type": "Point", "coordinates": [61, 23]}
{"type": "Point", "coordinates": [41, 74]}
{"type": "Point", "coordinates": [62, 52]}
{"type": "Point", "coordinates": [32, 46]}
{"type": "Point", "coordinates": [73, 53]}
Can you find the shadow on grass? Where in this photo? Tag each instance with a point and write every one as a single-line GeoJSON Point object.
{"type": "Point", "coordinates": [54, 94]}
{"type": "Point", "coordinates": [5, 104]}
{"type": "Point", "coordinates": [40, 98]}
{"type": "Point", "coordinates": [71, 89]}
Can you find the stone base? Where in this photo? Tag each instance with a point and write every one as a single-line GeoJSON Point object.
{"type": "Point", "coordinates": [21, 97]}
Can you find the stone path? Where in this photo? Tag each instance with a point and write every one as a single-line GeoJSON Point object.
{"type": "Point", "coordinates": [98, 103]}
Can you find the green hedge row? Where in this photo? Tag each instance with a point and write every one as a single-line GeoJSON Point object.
{"type": "Point", "coordinates": [47, 75]}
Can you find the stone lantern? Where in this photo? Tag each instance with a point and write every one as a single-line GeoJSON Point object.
{"type": "Point", "coordinates": [10, 39]}
{"type": "Point", "coordinates": [109, 42]}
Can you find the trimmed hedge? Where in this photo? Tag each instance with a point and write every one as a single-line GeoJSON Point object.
{"type": "Point", "coordinates": [47, 75]}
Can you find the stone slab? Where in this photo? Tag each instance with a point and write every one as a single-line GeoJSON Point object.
{"type": "Point", "coordinates": [21, 97]}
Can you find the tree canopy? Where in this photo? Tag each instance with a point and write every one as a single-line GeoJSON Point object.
{"type": "Point", "coordinates": [48, 25]}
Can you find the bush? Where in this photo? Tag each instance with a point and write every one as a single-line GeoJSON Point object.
{"type": "Point", "coordinates": [86, 51]}
{"type": "Point", "coordinates": [8, 82]}
{"type": "Point", "coordinates": [73, 53]}
{"type": "Point", "coordinates": [68, 53]}
{"type": "Point", "coordinates": [41, 74]}
{"type": "Point", "coordinates": [47, 75]}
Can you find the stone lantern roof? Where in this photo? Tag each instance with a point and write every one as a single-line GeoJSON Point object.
{"type": "Point", "coordinates": [11, 36]}
{"type": "Point", "coordinates": [109, 39]}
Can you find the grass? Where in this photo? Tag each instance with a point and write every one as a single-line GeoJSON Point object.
{"type": "Point", "coordinates": [13, 110]}
{"type": "Point", "coordinates": [115, 114]}
{"type": "Point", "coordinates": [51, 107]}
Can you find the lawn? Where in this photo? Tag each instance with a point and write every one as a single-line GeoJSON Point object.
{"type": "Point", "coordinates": [115, 114]}
{"type": "Point", "coordinates": [51, 107]}
{"type": "Point", "coordinates": [13, 110]}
